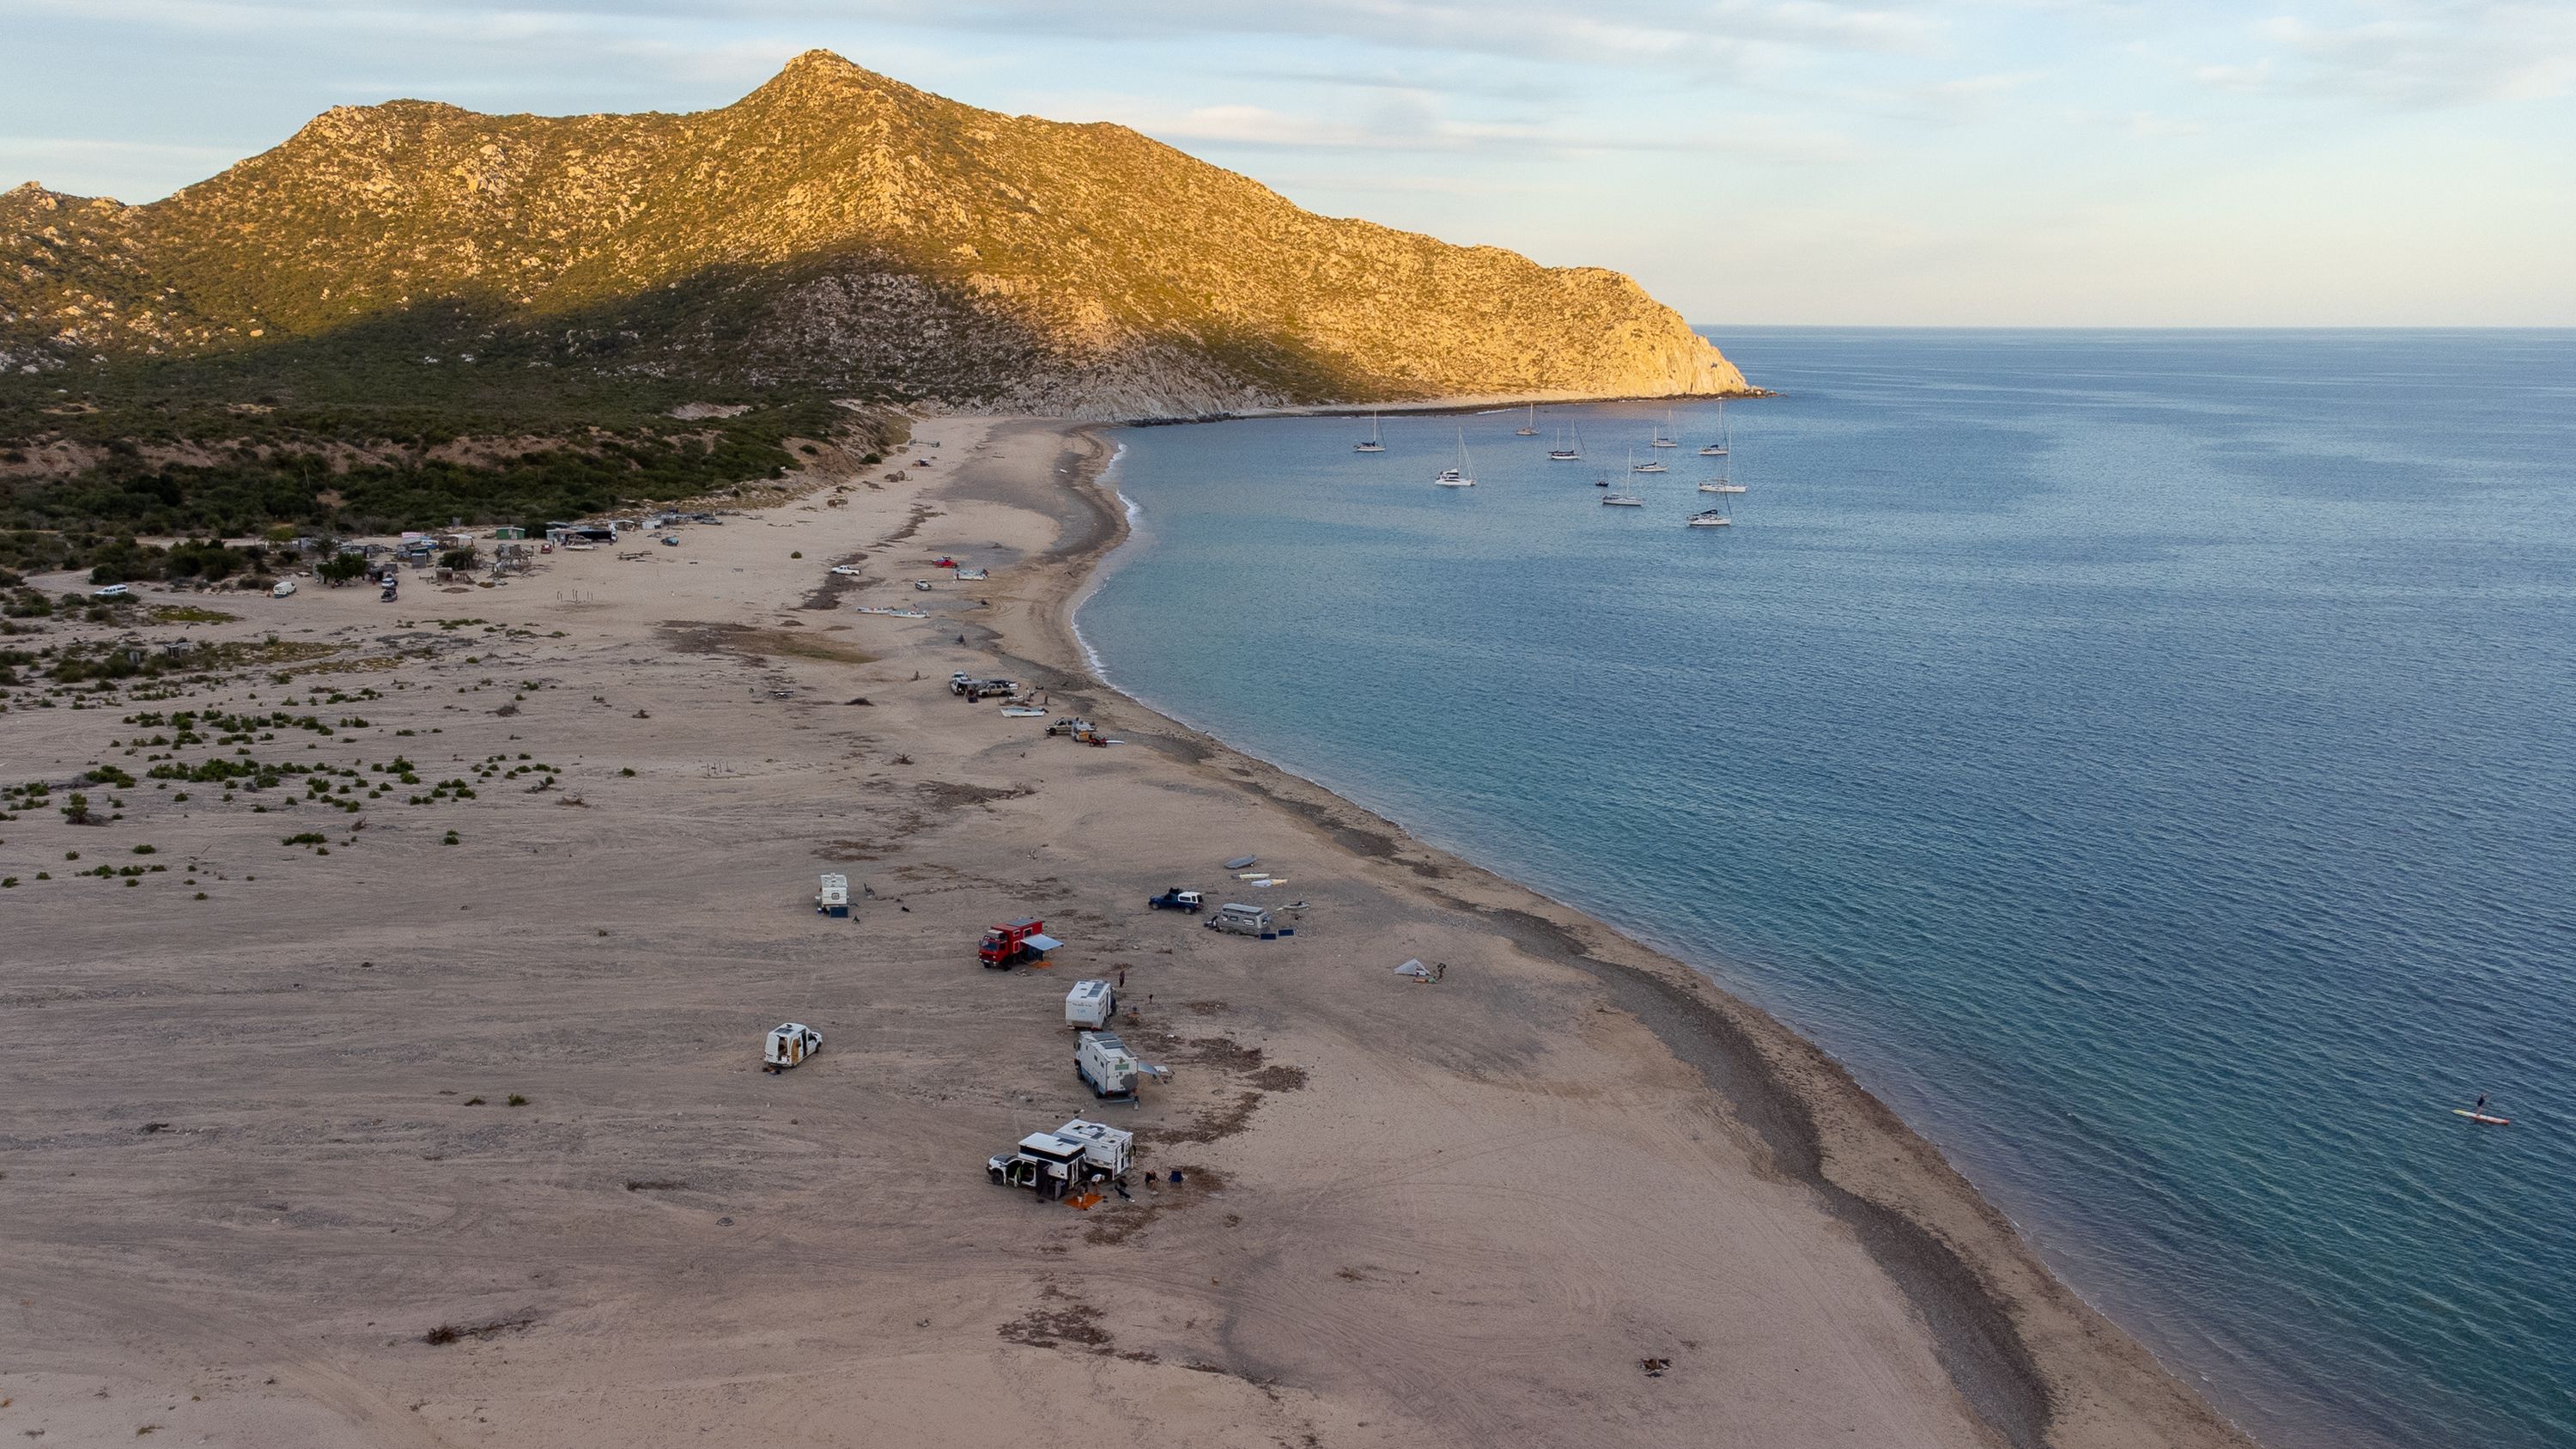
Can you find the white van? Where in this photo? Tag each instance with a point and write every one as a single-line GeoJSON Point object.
{"type": "Point", "coordinates": [789, 1044]}
{"type": "Point", "coordinates": [1241, 920]}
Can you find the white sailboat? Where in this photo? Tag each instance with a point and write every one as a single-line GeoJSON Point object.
{"type": "Point", "coordinates": [1621, 497]}
{"type": "Point", "coordinates": [1372, 443]}
{"type": "Point", "coordinates": [1718, 448]}
{"type": "Point", "coordinates": [1664, 433]}
{"type": "Point", "coordinates": [1565, 451]}
{"type": "Point", "coordinates": [1651, 465]}
{"type": "Point", "coordinates": [1528, 429]}
{"type": "Point", "coordinates": [1724, 482]}
{"type": "Point", "coordinates": [1709, 518]}
{"type": "Point", "coordinates": [1456, 477]}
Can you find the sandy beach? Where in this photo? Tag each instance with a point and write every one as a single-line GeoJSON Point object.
{"type": "Point", "coordinates": [265, 1185]}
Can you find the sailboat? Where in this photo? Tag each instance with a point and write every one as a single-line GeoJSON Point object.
{"type": "Point", "coordinates": [1620, 497]}
{"type": "Point", "coordinates": [1664, 433]}
{"type": "Point", "coordinates": [1718, 448]}
{"type": "Point", "coordinates": [1372, 444]}
{"type": "Point", "coordinates": [1709, 518]}
{"type": "Point", "coordinates": [1724, 482]}
{"type": "Point", "coordinates": [1651, 465]}
{"type": "Point", "coordinates": [1567, 452]}
{"type": "Point", "coordinates": [1456, 477]}
{"type": "Point", "coordinates": [1528, 429]}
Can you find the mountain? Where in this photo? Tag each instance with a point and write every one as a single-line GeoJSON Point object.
{"type": "Point", "coordinates": [834, 230]}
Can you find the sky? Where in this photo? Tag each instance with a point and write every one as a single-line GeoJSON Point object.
{"type": "Point", "coordinates": [1954, 162]}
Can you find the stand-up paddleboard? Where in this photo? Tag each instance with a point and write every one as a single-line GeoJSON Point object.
{"type": "Point", "coordinates": [2482, 1117]}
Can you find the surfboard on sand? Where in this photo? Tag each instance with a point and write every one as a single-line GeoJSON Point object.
{"type": "Point", "coordinates": [2482, 1117]}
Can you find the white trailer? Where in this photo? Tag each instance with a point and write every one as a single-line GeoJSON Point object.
{"type": "Point", "coordinates": [1052, 1164]}
{"type": "Point", "coordinates": [1242, 920]}
{"type": "Point", "coordinates": [1106, 1150]}
{"type": "Point", "coordinates": [833, 898]}
{"type": "Point", "coordinates": [1109, 1069]}
{"type": "Point", "coordinates": [1090, 1003]}
{"type": "Point", "coordinates": [789, 1044]}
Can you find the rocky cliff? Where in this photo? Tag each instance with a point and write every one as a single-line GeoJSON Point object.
{"type": "Point", "coordinates": [835, 229]}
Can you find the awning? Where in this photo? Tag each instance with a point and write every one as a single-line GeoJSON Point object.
{"type": "Point", "coordinates": [1043, 943]}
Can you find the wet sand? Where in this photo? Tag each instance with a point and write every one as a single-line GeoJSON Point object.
{"type": "Point", "coordinates": [247, 1186]}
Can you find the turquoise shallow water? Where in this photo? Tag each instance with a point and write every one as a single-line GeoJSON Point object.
{"type": "Point", "coordinates": [2148, 759]}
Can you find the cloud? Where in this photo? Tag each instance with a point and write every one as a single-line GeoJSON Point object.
{"type": "Point", "coordinates": [2412, 54]}
{"type": "Point", "coordinates": [1415, 123]}
{"type": "Point", "coordinates": [1705, 36]}
{"type": "Point", "coordinates": [137, 168]}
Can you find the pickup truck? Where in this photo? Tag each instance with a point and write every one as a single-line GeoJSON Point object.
{"type": "Point", "coordinates": [1177, 899]}
{"type": "Point", "coordinates": [967, 686]}
{"type": "Point", "coordinates": [1070, 726]}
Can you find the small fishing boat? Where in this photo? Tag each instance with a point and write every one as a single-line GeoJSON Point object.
{"type": "Point", "coordinates": [1528, 429]}
{"type": "Point", "coordinates": [1023, 711]}
{"type": "Point", "coordinates": [1372, 443]}
{"type": "Point", "coordinates": [1710, 518]}
{"type": "Point", "coordinates": [1456, 477]}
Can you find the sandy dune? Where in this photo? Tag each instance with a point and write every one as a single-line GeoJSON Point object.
{"type": "Point", "coordinates": [245, 1181]}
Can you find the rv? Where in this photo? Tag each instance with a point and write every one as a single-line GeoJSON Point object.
{"type": "Point", "coordinates": [1052, 1164]}
{"type": "Point", "coordinates": [1105, 1065]}
{"type": "Point", "coordinates": [833, 897]}
{"type": "Point", "coordinates": [1090, 1003]}
{"type": "Point", "coordinates": [1242, 920]}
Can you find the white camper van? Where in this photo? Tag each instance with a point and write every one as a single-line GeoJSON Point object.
{"type": "Point", "coordinates": [790, 1043]}
{"type": "Point", "coordinates": [1090, 1003]}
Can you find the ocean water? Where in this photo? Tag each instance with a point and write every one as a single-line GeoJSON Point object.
{"type": "Point", "coordinates": [2147, 759]}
